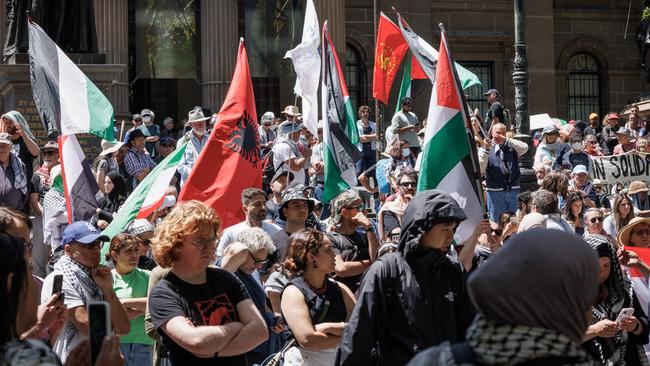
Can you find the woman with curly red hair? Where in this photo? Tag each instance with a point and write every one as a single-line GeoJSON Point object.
{"type": "Point", "coordinates": [315, 307]}
{"type": "Point", "coordinates": [203, 315]}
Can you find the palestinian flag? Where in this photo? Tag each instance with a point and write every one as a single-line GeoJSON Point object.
{"type": "Point", "coordinates": [340, 134]}
{"type": "Point", "coordinates": [449, 160]}
{"type": "Point", "coordinates": [67, 101]}
{"type": "Point", "coordinates": [148, 195]}
{"type": "Point", "coordinates": [427, 56]}
{"type": "Point", "coordinates": [405, 86]}
{"type": "Point", "coordinates": [80, 186]}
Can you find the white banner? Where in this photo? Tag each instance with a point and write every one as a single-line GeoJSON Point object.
{"type": "Point", "coordinates": [623, 168]}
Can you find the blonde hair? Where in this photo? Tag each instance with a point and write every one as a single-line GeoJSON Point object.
{"type": "Point", "coordinates": [185, 219]}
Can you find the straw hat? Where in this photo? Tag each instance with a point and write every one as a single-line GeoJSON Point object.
{"type": "Point", "coordinates": [196, 115]}
{"type": "Point", "coordinates": [626, 232]}
{"type": "Point", "coordinates": [291, 110]}
{"type": "Point", "coordinates": [637, 186]}
{"type": "Point", "coordinates": [109, 147]}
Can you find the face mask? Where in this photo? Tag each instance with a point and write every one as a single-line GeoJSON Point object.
{"type": "Point", "coordinates": [406, 152]}
{"type": "Point", "coordinates": [576, 146]}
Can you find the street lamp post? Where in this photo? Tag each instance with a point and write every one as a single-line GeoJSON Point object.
{"type": "Point", "coordinates": [520, 81]}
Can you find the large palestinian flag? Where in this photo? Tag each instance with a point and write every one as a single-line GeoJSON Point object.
{"type": "Point", "coordinates": [340, 134]}
{"type": "Point", "coordinates": [447, 163]}
{"type": "Point", "coordinates": [80, 186]}
{"type": "Point", "coordinates": [67, 101]}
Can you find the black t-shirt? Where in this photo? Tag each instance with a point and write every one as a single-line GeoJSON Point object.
{"type": "Point", "coordinates": [211, 303]}
{"type": "Point", "coordinates": [496, 110]}
{"type": "Point", "coordinates": [351, 248]}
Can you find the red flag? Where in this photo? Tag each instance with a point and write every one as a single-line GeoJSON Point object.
{"type": "Point", "coordinates": [230, 161]}
{"type": "Point", "coordinates": [389, 52]}
{"type": "Point", "coordinates": [416, 70]}
{"type": "Point", "coordinates": [644, 255]}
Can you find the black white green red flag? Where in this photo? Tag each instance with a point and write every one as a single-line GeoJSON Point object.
{"type": "Point", "coordinates": [447, 161]}
{"type": "Point", "coordinates": [340, 134]}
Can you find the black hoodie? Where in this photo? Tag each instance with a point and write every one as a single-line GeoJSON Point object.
{"type": "Point", "coordinates": [410, 300]}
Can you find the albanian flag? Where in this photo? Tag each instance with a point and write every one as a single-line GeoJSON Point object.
{"type": "Point", "coordinates": [230, 162]}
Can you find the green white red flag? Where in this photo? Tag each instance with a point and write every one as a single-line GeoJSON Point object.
{"type": "Point", "coordinates": [447, 161]}
{"type": "Point", "coordinates": [148, 195]}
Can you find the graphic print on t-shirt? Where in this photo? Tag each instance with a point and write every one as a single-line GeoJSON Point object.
{"type": "Point", "coordinates": [217, 311]}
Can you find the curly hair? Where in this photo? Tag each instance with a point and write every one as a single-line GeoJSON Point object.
{"type": "Point", "coordinates": [185, 219]}
{"type": "Point", "coordinates": [122, 241]}
{"type": "Point", "coordinates": [300, 243]}
{"type": "Point", "coordinates": [256, 239]}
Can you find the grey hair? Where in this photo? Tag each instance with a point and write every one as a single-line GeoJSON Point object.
{"type": "Point", "coordinates": [256, 239]}
{"type": "Point", "coordinates": [590, 211]}
{"type": "Point", "coordinates": [545, 202]}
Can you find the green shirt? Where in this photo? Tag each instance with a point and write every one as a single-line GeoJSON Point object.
{"type": "Point", "coordinates": [130, 286]}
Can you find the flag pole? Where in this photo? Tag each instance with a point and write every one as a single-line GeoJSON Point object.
{"type": "Point", "coordinates": [378, 118]}
{"type": "Point", "coordinates": [470, 137]}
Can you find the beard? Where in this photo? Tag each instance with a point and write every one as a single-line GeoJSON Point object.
{"type": "Point", "coordinates": [200, 132]}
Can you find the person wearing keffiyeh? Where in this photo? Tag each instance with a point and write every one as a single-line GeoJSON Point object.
{"type": "Point", "coordinates": [13, 179]}
{"type": "Point", "coordinates": [614, 344]}
{"type": "Point", "coordinates": [536, 317]}
{"type": "Point", "coordinates": [84, 281]}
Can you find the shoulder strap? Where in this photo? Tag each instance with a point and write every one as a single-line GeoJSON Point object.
{"type": "Point", "coordinates": [463, 353]}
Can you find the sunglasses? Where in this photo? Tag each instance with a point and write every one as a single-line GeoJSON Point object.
{"type": "Point", "coordinates": [359, 207]}
{"type": "Point", "coordinates": [48, 153]}
{"type": "Point", "coordinates": [93, 246]}
{"type": "Point", "coordinates": [497, 232]}
{"type": "Point", "coordinates": [594, 220]}
{"type": "Point", "coordinates": [138, 119]}
{"type": "Point", "coordinates": [257, 261]}
{"type": "Point", "coordinates": [408, 184]}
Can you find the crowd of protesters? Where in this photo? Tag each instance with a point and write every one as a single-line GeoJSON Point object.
{"type": "Point", "coordinates": [376, 276]}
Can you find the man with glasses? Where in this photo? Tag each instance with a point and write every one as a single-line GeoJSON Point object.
{"type": "Point", "coordinates": [353, 239]}
{"type": "Point", "coordinates": [40, 185]}
{"type": "Point", "coordinates": [591, 147]}
{"type": "Point", "coordinates": [254, 206]}
{"type": "Point", "coordinates": [165, 146]}
{"type": "Point", "coordinates": [243, 258]}
{"type": "Point", "coordinates": [84, 281]}
{"type": "Point", "coordinates": [267, 135]}
{"type": "Point", "coordinates": [294, 210]}
{"type": "Point", "coordinates": [390, 214]}
{"type": "Point", "coordinates": [405, 124]}
{"type": "Point", "coordinates": [593, 219]}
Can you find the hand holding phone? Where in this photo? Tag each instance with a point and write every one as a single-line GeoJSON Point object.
{"type": "Point", "coordinates": [624, 314]}
{"type": "Point", "coordinates": [99, 322]}
{"type": "Point", "coordinates": [57, 287]}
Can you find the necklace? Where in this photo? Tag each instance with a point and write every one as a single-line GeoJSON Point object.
{"type": "Point", "coordinates": [317, 290]}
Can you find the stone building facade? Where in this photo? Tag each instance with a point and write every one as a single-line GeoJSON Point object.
{"type": "Point", "coordinates": [580, 60]}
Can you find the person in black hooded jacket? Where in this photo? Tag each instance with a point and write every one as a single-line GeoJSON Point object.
{"type": "Point", "coordinates": [413, 299]}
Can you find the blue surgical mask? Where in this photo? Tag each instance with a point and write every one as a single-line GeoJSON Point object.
{"type": "Point", "coordinates": [406, 152]}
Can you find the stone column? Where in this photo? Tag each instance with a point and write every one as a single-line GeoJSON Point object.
{"type": "Point", "coordinates": [219, 40]}
{"type": "Point", "coordinates": [112, 22]}
{"type": "Point", "coordinates": [334, 12]}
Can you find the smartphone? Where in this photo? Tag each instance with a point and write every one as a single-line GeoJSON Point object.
{"type": "Point", "coordinates": [57, 284]}
{"type": "Point", "coordinates": [514, 220]}
{"type": "Point", "coordinates": [624, 314]}
{"type": "Point", "coordinates": [57, 287]}
{"type": "Point", "coordinates": [99, 321]}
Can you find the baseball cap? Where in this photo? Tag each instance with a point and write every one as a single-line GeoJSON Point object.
{"type": "Point", "coordinates": [343, 200]}
{"type": "Point", "coordinates": [167, 140]}
{"type": "Point", "coordinates": [50, 145]}
{"type": "Point", "coordinates": [578, 169]}
{"type": "Point", "coordinates": [593, 115]}
{"type": "Point", "coordinates": [82, 232]}
{"type": "Point", "coordinates": [296, 193]}
{"type": "Point", "coordinates": [491, 91]}
{"type": "Point", "coordinates": [613, 116]}
{"type": "Point", "coordinates": [146, 112]}
{"type": "Point", "coordinates": [268, 117]}
{"type": "Point", "coordinates": [5, 138]}
{"type": "Point", "coordinates": [137, 116]}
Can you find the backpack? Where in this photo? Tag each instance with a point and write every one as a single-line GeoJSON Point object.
{"type": "Point", "coordinates": [268, 170]}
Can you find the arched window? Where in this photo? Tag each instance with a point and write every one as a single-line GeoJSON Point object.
{"type": "Point", "coordinates": [583, 86]}
{"type": "Point", "coordinates": [354, 76]}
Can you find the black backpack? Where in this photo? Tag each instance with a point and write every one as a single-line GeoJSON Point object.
{"type": "Point", "coordinates": [268, 171]}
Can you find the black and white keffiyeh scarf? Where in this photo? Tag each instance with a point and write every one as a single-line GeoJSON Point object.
{"type": "Point", "coordinates": [505, 344]}
{"type": "Point", "coordinates": [80, 278]}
